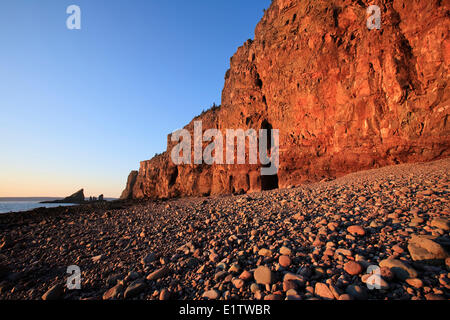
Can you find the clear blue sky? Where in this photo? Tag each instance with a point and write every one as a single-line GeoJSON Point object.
{"type": "Point", "coordinates": [81, 108]}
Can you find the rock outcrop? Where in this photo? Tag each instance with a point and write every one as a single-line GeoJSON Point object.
{"type": "Point", "coordinates": [345, 98]}
{"type": "Point", "coordinates": [76, 198]}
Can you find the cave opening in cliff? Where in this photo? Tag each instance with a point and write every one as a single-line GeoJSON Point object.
{"type": "Point", "coordinates": [173, 177]}
{"type": "Point", "coordinates": [268, 182]}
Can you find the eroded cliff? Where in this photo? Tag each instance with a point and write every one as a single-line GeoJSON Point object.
{"type": "Point", "coordinates": [344, 98]}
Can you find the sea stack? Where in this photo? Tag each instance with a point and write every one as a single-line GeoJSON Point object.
{"type": "Point", "coordinates": [76, 198]}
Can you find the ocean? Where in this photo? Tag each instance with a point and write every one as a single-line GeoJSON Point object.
{"type": "Point", "coordinates": [26, 204]}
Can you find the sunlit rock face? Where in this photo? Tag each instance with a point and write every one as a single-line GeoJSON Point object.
{"type": "Point", "coordinates": [344, 98]}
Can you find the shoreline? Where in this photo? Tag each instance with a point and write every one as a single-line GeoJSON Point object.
{"type": "Point", "coordinates": [76, 207]}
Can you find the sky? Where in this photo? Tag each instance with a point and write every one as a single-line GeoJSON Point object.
{"type": "Point", "coordinates": [81, 108]}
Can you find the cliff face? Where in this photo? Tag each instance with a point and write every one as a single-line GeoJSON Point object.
{"type": "Point", "coordinates": [345, 98]}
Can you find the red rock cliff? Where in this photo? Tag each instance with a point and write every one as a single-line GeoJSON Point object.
{"type": "Point", "coordinates": [345, 98]}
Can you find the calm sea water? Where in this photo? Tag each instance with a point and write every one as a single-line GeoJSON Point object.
{"type": "Point", "coordinates": [14, 205]}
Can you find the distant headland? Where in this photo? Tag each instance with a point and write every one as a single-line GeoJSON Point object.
{"type": "Point", "coordinates": [77, 198]}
